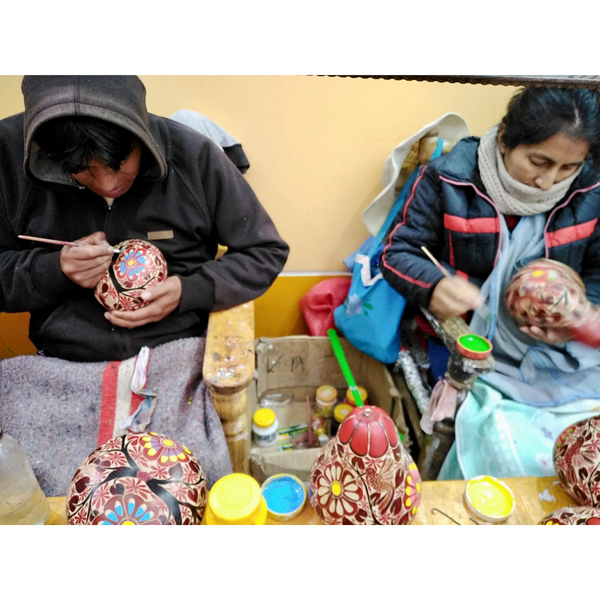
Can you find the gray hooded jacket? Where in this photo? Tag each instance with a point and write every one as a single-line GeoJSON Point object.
{"type": "Point", "coordinates": [189, 187]}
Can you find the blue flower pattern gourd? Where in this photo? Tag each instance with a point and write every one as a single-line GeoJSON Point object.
{"type": "Point", "coordinates": [138, 266]}
{"type": "Point", "coordinates": [138, 479]}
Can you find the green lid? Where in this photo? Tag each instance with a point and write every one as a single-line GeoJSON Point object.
{"type": "Point", "coordinates": [474, 346]}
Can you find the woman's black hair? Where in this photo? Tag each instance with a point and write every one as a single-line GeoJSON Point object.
{"type": "Point", "coordinates": [74, 142]}
{"type": "Point", "coordinates": [537, 113]}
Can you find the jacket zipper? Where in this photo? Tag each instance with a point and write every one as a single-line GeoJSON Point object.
{"type": "Point", "coordinates": [546, 247]}
{"type": "Point", "coordinates": [480, 193]}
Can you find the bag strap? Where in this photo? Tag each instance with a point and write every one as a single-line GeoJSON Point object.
{"type": "Point", "coordinates": [401, 198]}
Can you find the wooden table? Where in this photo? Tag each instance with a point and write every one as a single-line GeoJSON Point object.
{"type": "Point", "coordinates": [535, 498]}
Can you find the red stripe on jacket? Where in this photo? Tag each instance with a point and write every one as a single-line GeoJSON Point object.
{"type": "Point", "coordinates": [567, 235]}
{"type": "Point", "coordinates": [478, 225]}
{"type": "Point", "coordinates": [418, 282]}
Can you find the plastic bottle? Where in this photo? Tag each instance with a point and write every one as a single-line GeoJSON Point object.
{"type": "Point", "coordinates": [264, 427]}
{"type": "Point", "coordinates": [22, 501]}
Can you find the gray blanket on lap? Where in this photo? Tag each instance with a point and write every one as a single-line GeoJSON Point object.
{"type": "Point", "coordinates": [53, 408]}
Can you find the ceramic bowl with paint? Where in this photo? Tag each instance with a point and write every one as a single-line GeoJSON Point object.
{"type": "Point", "coordinates": [285, 496]}
{"type": "Point", "coordinates": [138, 266]}
{"type": "Point", "coordinates": [489, 499]}
{"type": "Point", "coordinates": [138, 479]}
{"type": "Point", "coordinates": [577, 460]}
{"type": "Point", "coordinates": [573, 515]}
{"type": "Point", "coordinates": [364, 476]}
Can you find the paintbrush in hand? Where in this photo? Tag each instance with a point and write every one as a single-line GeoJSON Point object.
{"type": "Point", "coordinates": [56, 242]}
{"type": "Point", "coordinates": [435, 262]}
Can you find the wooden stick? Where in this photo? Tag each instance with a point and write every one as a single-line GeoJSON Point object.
{"type": "Point", "coordinates": [310, 441]}
{"type": "Point", "coordinates": [435, 262]}
{"type": "Point", "coordinates": [57, 242]}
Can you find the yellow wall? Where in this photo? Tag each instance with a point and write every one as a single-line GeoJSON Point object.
{"type": "Point", "coordinates": [317, 146]}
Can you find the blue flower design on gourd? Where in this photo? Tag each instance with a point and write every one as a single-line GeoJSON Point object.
{"type": "Point", "coordinates": [116, 515]}
{"type": "Point", "coordinates": [132, 264]}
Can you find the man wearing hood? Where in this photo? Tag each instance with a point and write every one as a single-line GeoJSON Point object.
{"type": "Point", "coordinates": [145, 177]}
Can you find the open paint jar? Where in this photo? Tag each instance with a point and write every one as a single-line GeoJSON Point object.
{"type": "Point", "coordinates": [474, 346]}
{"type": "Point", "coordinates": [489, 499]}
{"type": "Point", "coordinates": [285, 496]}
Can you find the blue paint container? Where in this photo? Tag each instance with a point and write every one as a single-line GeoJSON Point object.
{"type": "Point", "coordinates": [285, 496]}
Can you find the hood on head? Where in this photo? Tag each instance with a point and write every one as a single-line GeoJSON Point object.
{"type": "Point", "coordinates": [118, 99]}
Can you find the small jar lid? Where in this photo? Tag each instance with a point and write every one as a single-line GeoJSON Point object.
{"type": "Point", "coordinates": [326, 394]}
{"type": "Point", "coordinates": [263, 417]}
{"type": "Point", "coordinates": [235, 499]}
{"type": "Point", "coordinates": [361, 392]}
{"type": "Point", "coordinates": [341, 411]}
{"type": "Point", "coordinates": [474, 346]}
{"type": "Point", "coordinates": [489, 499]}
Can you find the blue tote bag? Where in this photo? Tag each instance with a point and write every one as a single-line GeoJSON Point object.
{"type": "Point", "coordinates": [370, 316]}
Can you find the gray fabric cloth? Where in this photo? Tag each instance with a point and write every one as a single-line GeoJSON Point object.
{"type": "Point", "coordinates": [529, 371]}
{"type": "Point", "coordinates": [52, 408]}
{"type": "Point", "coordinates": [207, 127]}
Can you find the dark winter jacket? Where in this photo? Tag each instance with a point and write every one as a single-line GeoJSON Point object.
{"type": "Point", "coordinates": [188, 187]}
{"type": "Point", "coordinates": [449, 212]}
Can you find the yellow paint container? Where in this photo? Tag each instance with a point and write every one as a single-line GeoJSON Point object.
{"type": "Point", "coordinates": [235, 499]}
{"type": "Point", "coordinates": [489, 499]}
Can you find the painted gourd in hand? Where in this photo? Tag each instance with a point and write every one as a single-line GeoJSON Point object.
{"type": "Point", "coordinates": [551, 295]}
{"type": "Point", "coordinates": [573, 515]}
{"type": "Point", "coordinates": [138, 479]}
{"type": "Point", "coordinates": [139, 265]}
{"type": "Point", "coordinates": [364, 476]}
{"type": "Point", "coordinates": [577, 461]}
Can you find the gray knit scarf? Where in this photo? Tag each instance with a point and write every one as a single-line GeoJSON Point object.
{"type": "Point", "coordinates": [510, 196]}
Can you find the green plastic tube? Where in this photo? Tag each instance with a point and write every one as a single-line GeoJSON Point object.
{"type": "Point", "coordinates": [341, 358]}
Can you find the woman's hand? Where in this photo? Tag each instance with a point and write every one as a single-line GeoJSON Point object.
{"type": "Point", "coordinates": [454, 296]}
{"type": "Point", "coordinates": [85, 264]}
{"type": "Point", "coordinates": [549, 336]}
{"type": "Point", "coordinates": [164, 299]}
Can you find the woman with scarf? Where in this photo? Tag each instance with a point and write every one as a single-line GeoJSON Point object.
{"type": "Point", "coordinates": [529, 188]}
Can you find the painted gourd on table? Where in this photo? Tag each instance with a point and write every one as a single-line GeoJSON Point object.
{"type": "Point", "coordinates": [138, 479]}
{"type": "Point", "coordinates": [577, 460]}
{"type": "Point", "coordinates": [549, 294]}
{"type": "Point", "coordinates": [364, 476]}
{"type": "Point", "coordinates": [139, 265]}
{"type": "Point", "coordinates": [573, 515]}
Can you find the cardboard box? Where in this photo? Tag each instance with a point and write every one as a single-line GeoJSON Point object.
{"type": "Point", "coordinates": [294, 367]}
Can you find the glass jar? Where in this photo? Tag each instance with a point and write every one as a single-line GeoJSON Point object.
{"type": "Point", "coordinates": [22, 501]}
{"type": "Point", "coordinates": [339, 414]}
{"type": "Point", "coordinates": [325, 399]}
